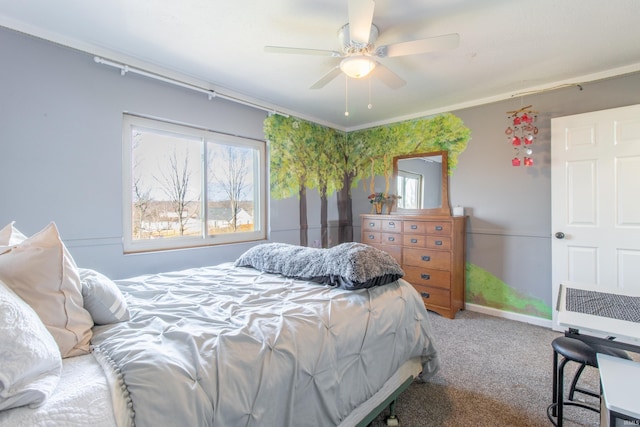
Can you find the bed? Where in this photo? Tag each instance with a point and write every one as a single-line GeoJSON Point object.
{"type": "Point", "coordinates": [285, 336]}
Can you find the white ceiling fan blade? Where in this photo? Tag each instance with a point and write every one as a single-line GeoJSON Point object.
{"type": "Point", "coordinates": [432, 44]}
{"type": "Point", "coordinates": [388, 77]}
{"type": "Point", "coordinates": [360, 20]}
{"type": "Point", "coordinates": [335, 72]}
{"type": "Point", "coordinates": [301, 51]}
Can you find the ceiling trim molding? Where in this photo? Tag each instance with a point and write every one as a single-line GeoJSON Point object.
{"type": "Point", "coordinates": [92, 49]}
{"type": "Point", "coordinates": [532, 90]}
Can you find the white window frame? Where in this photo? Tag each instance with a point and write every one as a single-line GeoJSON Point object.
{"type": "Point", "coordinates": [404, 176]}
{"type": "Point", "coordinates": [131, 245]}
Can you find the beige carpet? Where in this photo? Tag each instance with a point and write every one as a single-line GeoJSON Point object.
{"type": "Point", "coordinates": [494, 372]}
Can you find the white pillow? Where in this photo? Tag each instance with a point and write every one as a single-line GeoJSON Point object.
{"type": "Point", "coordinates": [102, 298]}
{"type": "Point", "coordinates": [30, 359]}
{"type": "Point", "coordinates": [42, 272]}
{"type": "Point", "coordinates": [10, 235]}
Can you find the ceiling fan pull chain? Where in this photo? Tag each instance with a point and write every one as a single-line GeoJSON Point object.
{"type": "Point", "coordinates": [346, 96]}
{"type": "Point", "coordinates": [370, 105]}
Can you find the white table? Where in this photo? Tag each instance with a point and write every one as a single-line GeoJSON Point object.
{"type": "Point", "coordinates": [619, 379]}
{"type": "Point", "coordinates": [595, 329]}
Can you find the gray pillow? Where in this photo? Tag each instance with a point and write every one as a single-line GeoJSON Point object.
{"type": "Point", "coordinates": [347, 266]}
{"type": "Point", "coordinates": [102, 298]}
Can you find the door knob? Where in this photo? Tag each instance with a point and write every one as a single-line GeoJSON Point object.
{"type": "Point", "coordinates": [559, 235]}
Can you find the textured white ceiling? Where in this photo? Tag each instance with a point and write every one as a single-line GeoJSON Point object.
{"type": "Point", "coordinates": [507, 48]}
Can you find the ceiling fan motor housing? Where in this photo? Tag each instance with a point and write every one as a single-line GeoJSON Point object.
{"type": "Point", "coordinates": [349, 46]}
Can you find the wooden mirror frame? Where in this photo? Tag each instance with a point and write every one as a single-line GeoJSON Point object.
{"type": "Point", "coordinates": [444, 208]}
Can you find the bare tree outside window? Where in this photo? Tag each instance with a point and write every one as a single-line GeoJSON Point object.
{"type": "Point", "coordinates": [178, 197]}
{"type": "Point", "coordinates": [166, 185]}
{"type": "Point", "coordinates": [229, 169]}
{"type": "Point", "coordinates": [174, 182]}
{"type": "Point", "coordinates": [142, 204]}
{"type": "Point", "coordinates": [141, 197]}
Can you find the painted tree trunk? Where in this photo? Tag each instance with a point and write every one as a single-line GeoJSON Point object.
{"type": "Point", "coordinates": [324, 225]}
{"type": "Point", "coordinates": [345, 214]}
{"type": "Point", "coordinates": [304, 225]}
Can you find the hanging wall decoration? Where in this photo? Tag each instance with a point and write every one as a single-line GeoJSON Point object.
{"type": "Point", "coordinates": [521, 133]}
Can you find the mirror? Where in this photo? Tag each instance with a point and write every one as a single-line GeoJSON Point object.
{"type": "Point", "coordinates": [422, 181]}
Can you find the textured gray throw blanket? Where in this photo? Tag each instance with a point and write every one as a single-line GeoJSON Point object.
{"type": "Point", "coordinates": [347, 266]}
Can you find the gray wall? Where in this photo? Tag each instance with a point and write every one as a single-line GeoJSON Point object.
{"type": "Point", "coordinates": [61, 150]}
{"type": "Point", "coordinates": [509, 229]}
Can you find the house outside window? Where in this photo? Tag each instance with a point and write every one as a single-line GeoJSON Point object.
{"type": "Point", "coordinates": [187, 187]}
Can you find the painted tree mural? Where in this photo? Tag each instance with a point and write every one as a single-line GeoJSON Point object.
{"type": "Point", "coordinates": [326, 173]}
{"type": "Point", "coordinates": [288, 168]}
{"type": "Point", "coordinates": [306, 155]}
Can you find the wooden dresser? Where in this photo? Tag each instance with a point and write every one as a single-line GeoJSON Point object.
{"type": "Point", "coordinates": [431, 251]}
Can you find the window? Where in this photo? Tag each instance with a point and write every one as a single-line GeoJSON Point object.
{"type": "Point", "coordinates": [186, 187]}
{"type": "Point", "coordinates": [409, 190]}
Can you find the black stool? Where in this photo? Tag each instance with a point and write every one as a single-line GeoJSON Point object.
{"type": "Point", "coordinates": [574, 350]}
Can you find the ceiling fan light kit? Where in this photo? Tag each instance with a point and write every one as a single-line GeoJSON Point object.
{"type": "Point", "coordinates": [357, 66]}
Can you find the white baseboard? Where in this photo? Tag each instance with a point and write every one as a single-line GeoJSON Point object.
{"type": "Point", "coordinates": [538, 321]}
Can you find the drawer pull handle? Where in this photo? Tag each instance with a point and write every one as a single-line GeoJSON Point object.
{"type": "Point", "coordinates": [424, 294]}
{"type": "Point", "coordinates": [414, 240]}
{"type": "Point", "coordinates": [392, 239]}
{"type": "Point", "coordinates": [425, 276]}
{"type": "Point", "coordinates": [372, 224]}
{"type": "Point", "coordinates": [414, 227]}
{"type": "Point", "coordinates": [426, 258]}
{"type": "Point", "coordinates": [438, 242]}
{"type": "Point", "coordinates": [438, 228]}
{"type": "Point", "coordinates": [392, 224]}
{"type": "Point", "coordinates": [372, 237]}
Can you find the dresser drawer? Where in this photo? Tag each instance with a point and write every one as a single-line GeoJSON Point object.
{"type": "Point", "coordinates": [417, 227]}
{"type": "Point", "coordinates": [414, 240]}
{"type": "Point", "coordinates": [438, 228]}
{"type": "Point", "coordinates": [438, 242]}
{"type": "Point", "coordinates": [434, 296]}
{"type": "Point", "coordinates": [372, 225]}
{"type": "Point", "coordinates": [391, 239]}
{"type": "Point", "coordinates": [391, 225]}
{"type": "Point", "coordinates": [440, 260]}
{"type": "Point", "coordinates": [371, 237]}
{"type": "Point", "coordinates": [427, 277]}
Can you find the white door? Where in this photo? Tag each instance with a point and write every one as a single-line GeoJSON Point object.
{"type": "Point", "coordinates": [595, 200]}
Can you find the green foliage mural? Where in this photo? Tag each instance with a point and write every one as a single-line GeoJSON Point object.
{"type": "Point", "coordinates": [445, 132]}
{"type": "Point", "coordinates": [306, 155]}
{"type": "Point", "coordinates": [303, 155]}
{"type": "Point", "coordinates": [483, 288]}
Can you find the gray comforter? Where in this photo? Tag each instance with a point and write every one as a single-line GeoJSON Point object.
{"type": "Point", "coordinates": [229, 346]}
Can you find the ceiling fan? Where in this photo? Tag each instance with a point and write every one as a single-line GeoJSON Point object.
{"type": "Point", "coordinates": [359, 51]}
